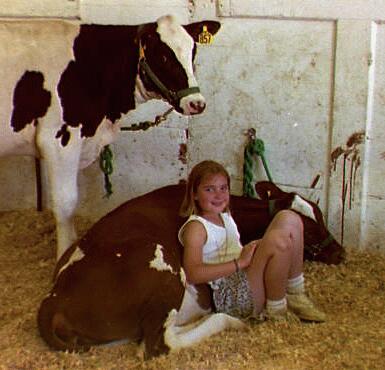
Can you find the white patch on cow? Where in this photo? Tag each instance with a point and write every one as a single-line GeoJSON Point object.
{"type": "Point", "coordinates": [177, 337]}
{"type": "Point", "coordinates": [190, 310]}
{"type": "Point", "coordinates": [158, 262]}
{"type": "Point", "coordinates": [183, 278]}
{"type": "Point", "coordinates": [77, 255]}
{"type": "Point", "coordinates": [105, 134]}
{"type": "Point", "coordinates": [178, 40]}
{"type": "Point", "coordinates": [302, 206]}
{"type": "Point", "coordinates": [141, 94]}
{"type": "Point", "coordinates": [21, 143]}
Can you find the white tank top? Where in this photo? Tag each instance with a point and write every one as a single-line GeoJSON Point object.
{"type": "Point", "coordinates": [222, 243]}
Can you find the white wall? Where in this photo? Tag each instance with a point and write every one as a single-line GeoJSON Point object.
{"type": "Point", "coordinates": [39, 8]}
{"type": "Point", "coordinates": [307, 75]}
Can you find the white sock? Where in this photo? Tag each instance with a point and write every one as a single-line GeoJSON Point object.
{"type": "Point", "coordinates": [296, 285]}
{"type": "Point", "coordinates": [278, 305]}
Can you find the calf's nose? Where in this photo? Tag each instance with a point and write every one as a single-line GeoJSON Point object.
{"type": "Point", "coordinates": [197, 106]}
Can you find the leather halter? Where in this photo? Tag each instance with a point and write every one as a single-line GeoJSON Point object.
{"type": "Point", "coordinates": [172, 96]}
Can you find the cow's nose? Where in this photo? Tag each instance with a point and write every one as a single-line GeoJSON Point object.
{"type": "Point", "coordinates": [197, 106]}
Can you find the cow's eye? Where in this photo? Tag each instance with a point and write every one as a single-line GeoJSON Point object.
{"type": "Point", "coordinates": [164, 58]}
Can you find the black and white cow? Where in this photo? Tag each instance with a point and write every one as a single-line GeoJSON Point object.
{"type": "Point", "coordinates": [64, 87]}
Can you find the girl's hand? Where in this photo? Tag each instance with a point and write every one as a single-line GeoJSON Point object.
{"type": "Point", "coordinates": [247, 254]}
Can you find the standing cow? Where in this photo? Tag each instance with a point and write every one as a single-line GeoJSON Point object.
{"type": "Point", "coordinates": [65, 86]}
{"type": "Point", "coordinates": [124, 278]}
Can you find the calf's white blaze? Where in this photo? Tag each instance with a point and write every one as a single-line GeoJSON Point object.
{"type": "Point", "coordinates": [178, 40]}
{"type": "Point", "coordinates": [302, 206]}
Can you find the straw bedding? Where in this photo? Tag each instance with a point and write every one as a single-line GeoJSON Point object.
{"type": "Point", "coordinates": [352, 294]}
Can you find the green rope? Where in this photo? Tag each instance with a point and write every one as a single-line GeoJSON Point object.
{"type": "Point", "coordinates": [105, 163]}
{"type": "Point", "coordinates": [255, 147]}
{"type": "Point", "coordinates": [248, 174]}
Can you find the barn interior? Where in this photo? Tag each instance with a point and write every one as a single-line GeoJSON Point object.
{"type": "Point", "coordinates": [308, 78]}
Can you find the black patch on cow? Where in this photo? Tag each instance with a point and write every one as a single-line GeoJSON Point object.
{"type": "Point", "coordinates": [30, 100]}
{"type": "Point", "coordinates": [164, 64]}
{"type": "Point", "coordinates": [100, 82]}
{"type": "Point", "coordinates": [64, 134]}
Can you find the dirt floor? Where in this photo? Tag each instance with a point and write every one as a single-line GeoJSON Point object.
{"type": "Point", "coordinates": [352, 294]}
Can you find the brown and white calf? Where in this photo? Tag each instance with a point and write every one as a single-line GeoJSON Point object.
{"type": "Point", "coordinates": [64, 87]}
{"type": "Point", "coordinates": [320, 244]}
{"type": "Point", "coordinates": [124, 278]}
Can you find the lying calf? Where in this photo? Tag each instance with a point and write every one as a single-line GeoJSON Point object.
{"type": "Point", "coordinates": [320, 245]}
{"type": "Point", "coordinates": [124, 279]}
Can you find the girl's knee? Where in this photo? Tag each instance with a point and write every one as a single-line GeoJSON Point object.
{"type": "Point", "coordinates": [289, 220]}
{"type": "Point", "coordinates": [279, 240]}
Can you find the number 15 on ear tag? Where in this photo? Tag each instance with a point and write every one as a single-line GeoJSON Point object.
{"type": "Point", "coordinates": [205, 37]}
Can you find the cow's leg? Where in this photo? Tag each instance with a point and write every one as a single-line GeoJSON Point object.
{"type": "Point", "coordinates": [64, 191]}
{"type": "Point", "coordinates": [196, 303]}
{"type": "Point", "coordinates": [153, 333]}
{"type": "Point", "coordinates": [62, 163]}
{"type": "Point", "coordinates": [177, 337]}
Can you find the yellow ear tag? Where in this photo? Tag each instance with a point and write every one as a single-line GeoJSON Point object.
{"type": "Point", "coordinates": [205, 37]}
{"type": "Point", "coordinates": [141, 51]}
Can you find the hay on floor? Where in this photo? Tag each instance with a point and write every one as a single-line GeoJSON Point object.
{"type": "Point", "coordinates": [352, 294]}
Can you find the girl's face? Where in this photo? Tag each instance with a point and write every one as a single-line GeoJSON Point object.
{"type": "Point", "coordinates": [213, 194]}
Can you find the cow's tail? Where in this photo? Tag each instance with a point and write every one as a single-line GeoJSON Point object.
{"type": "Point", "coordinates": [56, 330]}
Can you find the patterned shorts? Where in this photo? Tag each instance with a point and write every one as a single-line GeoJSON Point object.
{"type": "Point", "coordinates": [232, 295]}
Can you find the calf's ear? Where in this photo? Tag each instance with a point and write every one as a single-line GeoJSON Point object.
{"type": "Point", "coordinates": [195, 29]}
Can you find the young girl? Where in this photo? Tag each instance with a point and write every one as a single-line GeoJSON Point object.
{"type": "Point", "coordinates": [262, 279]}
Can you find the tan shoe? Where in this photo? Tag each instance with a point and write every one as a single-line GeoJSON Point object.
{"type": "Point", "coordinates": [304, 308]}
{"type": "Point", "coordinates": [281, 315]}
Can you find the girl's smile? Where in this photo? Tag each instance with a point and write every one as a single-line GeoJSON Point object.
{"type": "Point", "coordinates": [213, 196]}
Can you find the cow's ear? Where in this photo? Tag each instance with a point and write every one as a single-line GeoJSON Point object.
{"type": "Point", "coordinates": [195, 29]}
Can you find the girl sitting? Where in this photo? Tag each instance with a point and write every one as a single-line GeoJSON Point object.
{"type": "Point", "coordinates": [263, 279]}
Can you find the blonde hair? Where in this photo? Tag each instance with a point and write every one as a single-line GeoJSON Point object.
{"type": "Point", "coordinates": [189, 205]}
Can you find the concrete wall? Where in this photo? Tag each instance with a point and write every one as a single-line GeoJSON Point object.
{"type": "Point", "coordinates": [307, 75]}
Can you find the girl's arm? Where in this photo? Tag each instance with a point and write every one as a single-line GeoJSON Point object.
{"type": "Point", "coordinates": [194, 237]}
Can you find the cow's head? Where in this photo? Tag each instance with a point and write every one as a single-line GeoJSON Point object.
{"type": "Point", "coordinates": [320, 245]}
{"type": "Point", "coordinates": [166, 54]}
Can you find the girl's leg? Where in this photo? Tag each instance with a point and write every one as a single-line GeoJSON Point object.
{"type": "Point", "coordinates": [284, 271]}
{"type": "Point", "coordinates": [272, 263]}
{"type": "Point", "coordinates": [294, 225]}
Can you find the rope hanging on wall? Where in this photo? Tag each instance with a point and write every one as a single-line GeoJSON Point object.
{"type": "Point", "coordinates": [255, 147]}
